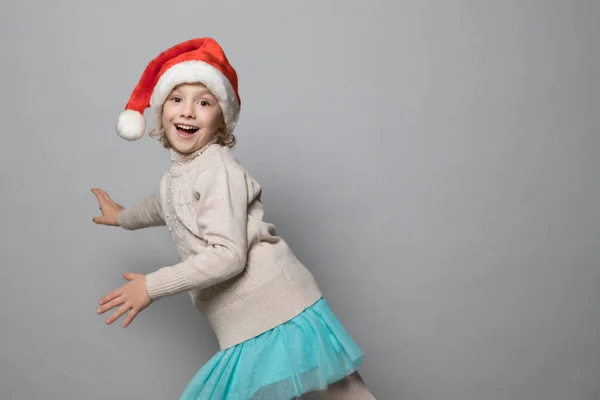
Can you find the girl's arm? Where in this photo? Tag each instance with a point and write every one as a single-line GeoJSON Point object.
{"type": "Point", "coordinates": [145, 214]}
{"type": "Point", "coordinates": [222, 215]}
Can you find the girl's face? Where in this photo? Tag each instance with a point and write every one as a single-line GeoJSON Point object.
{"type": "Point", "coordinates": [191, 116]}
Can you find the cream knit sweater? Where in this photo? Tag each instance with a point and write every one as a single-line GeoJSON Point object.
{"type": "Point", "coordinates": [240, 274]}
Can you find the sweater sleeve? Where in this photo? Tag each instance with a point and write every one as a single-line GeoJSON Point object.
{"type": "Point", "coordinates": [223, 214]}
{"type": "Point", "coordinates": [145, 214]}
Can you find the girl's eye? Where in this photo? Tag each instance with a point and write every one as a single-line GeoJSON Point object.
{"type": "Point", "coordinates": [176, 99]}
{"type": "Point", "coordinates": [204, 103]}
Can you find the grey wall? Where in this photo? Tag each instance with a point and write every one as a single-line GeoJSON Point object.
{"type": "Point", "coordinates": [433, 162]}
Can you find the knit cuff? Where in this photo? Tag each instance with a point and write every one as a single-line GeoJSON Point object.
{"type": "Point", "coordinates": [129, 219]}
{"type": "Point", "coordinates": [166, 281]}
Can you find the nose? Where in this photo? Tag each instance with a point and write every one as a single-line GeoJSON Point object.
{"type": "Point", "coordinates": [188, 110]}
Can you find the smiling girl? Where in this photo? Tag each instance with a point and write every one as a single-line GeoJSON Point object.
{"type": "Point", "coordinates": [278, 336]}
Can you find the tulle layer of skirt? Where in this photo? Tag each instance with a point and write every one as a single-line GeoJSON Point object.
{"type": "Point", "coordinates": [306, 353]}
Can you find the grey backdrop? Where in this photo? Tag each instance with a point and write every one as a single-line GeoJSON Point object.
{"type": "Point", "coordinates": [434, 163]}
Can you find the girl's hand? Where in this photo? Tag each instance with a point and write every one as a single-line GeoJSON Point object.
{"type": "Point", "coordinates": [131, 296]}
{"type": "Point", "coordinates": [109, 209]}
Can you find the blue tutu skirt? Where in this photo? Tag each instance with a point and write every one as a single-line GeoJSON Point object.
{"type": "Point", "coordinates": [306, 353]}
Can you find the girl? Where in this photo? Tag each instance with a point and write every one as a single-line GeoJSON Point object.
{"type": "Point", "coordinates": [278, 337]}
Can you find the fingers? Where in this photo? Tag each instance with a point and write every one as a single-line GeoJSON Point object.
{"type": "Point", "coordinates": [99, 193]}
{"type": "Point", "coordinates": [104, 220]}
{"type": "Point", "coordinates": [102, 196]}
{"type": "Point", "coordinates": [106, 197]}
{"type": "Point", "coordinates": [110, 305]}
{"type": "Point", "coordinates": [131, 296]}
{"type": "Point", "coordinates": [129, 318]}
{"type": "Point", "coordinates": [112, 295]}
{"type": "Point", "coordinates": [117, 314]}
{"type": "Point", "coordinates": [122, 310]}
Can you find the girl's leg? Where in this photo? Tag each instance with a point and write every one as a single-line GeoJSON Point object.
{"type": "Point", "coordinates": [350, 388]}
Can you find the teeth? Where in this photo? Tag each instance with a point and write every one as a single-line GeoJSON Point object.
{"type": "Point", "coordinates": [186, 127]}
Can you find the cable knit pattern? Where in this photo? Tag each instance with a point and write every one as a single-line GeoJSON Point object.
{"type": "Point", "coordinates": [239, 273]}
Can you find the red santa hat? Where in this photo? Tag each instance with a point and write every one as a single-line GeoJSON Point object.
{"type": "Point", "coordinates": [200, 60]}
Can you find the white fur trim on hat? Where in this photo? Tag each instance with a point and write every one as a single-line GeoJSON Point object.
{"type": "Point", "coordinates": [131, 125]}
{"type": "Point", "coordinates": [198, 72]}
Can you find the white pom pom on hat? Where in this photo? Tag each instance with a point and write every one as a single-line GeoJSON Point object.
{"type": "Point", "coordinates": [200, 60]}
{"type": "Point", "coordinates": [131, 125]}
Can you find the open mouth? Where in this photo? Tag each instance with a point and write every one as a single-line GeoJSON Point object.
{"type": "Point", "coordinates": [186, 131]}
